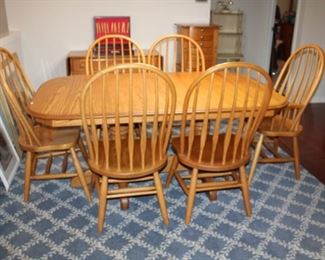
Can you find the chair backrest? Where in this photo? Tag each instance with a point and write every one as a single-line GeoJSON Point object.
{"type": "Point", "coordinates": [298, 81]}
{"type": "Point", "coordinates": [15, 76]}
{"type": "Point", "coordinates": [138, 96]}
{"type": "Point", "coordinates": [111, 50]}
{"type": "Point", "coordinates": [229, 101]}
{"type": "Point", "coordinates": [178, 53]}
{"type": "Point", "coordinates": [18, 107]}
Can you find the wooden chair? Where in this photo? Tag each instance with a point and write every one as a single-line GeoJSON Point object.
{"type": "Point", "coordinates": [178, 53]}
{"type": "Point", "coordinates": [219, 153]}
{"type": "Point", "coordinates": [138, 157]}
{"type": "Point", "coordinates": [111, 50]}
{"type": "Point", "coordinates": [298, 81]}
{"type": "Point", "coordinates": [16, 77]}
{"type": "Point", "coordinates": [38, 141]}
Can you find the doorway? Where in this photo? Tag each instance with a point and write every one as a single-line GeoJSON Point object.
{"type": "Point", "coordinates": [283, 28]}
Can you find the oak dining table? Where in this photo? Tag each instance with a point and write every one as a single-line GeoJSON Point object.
{"type": "Point", "coordinates": [56, 102]}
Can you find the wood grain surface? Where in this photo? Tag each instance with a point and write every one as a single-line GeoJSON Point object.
{"type": "Point", "coordinates": [56, 103]}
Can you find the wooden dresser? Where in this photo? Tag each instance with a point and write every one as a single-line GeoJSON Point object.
{"type": "Point", "coordinates": [76, 62]}
{"type": "Point", "coordinates": [206, 35]}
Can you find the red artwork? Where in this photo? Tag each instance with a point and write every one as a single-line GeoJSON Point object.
{"type": "Point", "coordinates": [112, 25]}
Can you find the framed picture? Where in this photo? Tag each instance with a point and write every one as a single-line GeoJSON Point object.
{"type": "Point", "coordinates": [9, 159]}
{"type": "Point", "coordinates": [105, 25]}
{"type": "Point", "coordinates": [112, 25]}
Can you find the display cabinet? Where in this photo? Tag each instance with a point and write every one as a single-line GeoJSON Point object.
{"type": "Point", "coordinates": [230, 35]}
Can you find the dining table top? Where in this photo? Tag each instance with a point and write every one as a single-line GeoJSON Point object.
{"type": "Point", "coordinates": [57, 101]}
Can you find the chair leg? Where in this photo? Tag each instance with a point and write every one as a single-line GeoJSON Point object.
{"type": "Point", "coordinates": [27, 174]}
{"type": "Point", "coordinates": [65, 162]}
{"type": "Point", "coordinates": [245, 191]}
{"type": "Point", "coordinates": [255, 158]}
{"type": "Point", "coordinates": [80, 174]}
{"type": "Point", "coordinates": [82, 149]}
{"type": "Point", "coordinates": [171, 171]}
{"type": "Point", "coordinates": [191, 196]}
{"type": "Point", "coordinates": [102, 203]}
{"type": "Point", "coordinates": [34, 165]}
{"type": "Point", "coordinates": [49, 164]}
{"type": "Point", "coordinates": [296, 155]}
{"type": "Point", "coordinates": [161, 198]}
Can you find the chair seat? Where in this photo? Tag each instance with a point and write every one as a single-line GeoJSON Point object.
{"type": "Point", "coordinates": [125, 171]}
{"type": "Point", "coordinates": [276, 126]}
{"type": "Point", "coordinates": [206, 164]}
{"type": "Point", "coordinates": [52, 139]}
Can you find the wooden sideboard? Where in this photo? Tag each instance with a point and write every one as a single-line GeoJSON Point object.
{"type": "Point", "coordinates": [76, 61]}
{"type": "Point", "coordinates": [206, 35]}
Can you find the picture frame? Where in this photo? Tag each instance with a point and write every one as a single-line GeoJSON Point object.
{"type": "Point", "coordinates": [112, 25]}
{"type": "Point", "coordinates": [105, 25]}
{"type": "Point", "coordinates": [9, 159]}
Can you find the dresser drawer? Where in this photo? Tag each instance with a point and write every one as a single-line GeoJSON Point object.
{"type": "Point", "coordinates": [202, 34]}
{"type": "Point", "coordinates": [206, 36]}
{"type": "Point", "coordinates": [77, 66]}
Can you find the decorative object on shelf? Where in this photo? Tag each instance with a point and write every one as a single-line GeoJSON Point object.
{"type": "Point", "coordinates": [9, 159]}
{"type": "Point", "coordinates": [105, 25]}
{"type": "Point", "coordinates": [224, 5]}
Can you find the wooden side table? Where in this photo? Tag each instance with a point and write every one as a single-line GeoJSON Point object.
{"type": "Point", "coordinates": [76, 62]}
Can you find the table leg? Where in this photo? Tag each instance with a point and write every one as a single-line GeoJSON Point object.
{"type": "Point", "coordinates": [124, 202]}
{"type": "Point", "coordinates": [212, 195]}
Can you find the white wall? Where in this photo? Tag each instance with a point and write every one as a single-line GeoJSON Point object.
{"type": "Point", "coordinates": [257, 29]}
{"type": "Point", "coordinates": [52, 28]}
{"type": "Point", "coordinates": [12, 42]}
{"type": "Point", "coordinates": [310, 29]}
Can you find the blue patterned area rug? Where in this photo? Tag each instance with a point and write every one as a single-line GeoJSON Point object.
{"type": "Point", "coordinates": [288, 222]}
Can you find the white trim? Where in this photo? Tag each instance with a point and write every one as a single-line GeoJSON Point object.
{"type": "Point", "coordinates": [296, 26]}
{"type": "Point", "coordinates": [270, 35]}
{"type": "Point", "coordinates": [7, 175]}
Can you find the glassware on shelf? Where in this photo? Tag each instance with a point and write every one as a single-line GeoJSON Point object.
{"type": "Point", "coordinates": [224, 5]}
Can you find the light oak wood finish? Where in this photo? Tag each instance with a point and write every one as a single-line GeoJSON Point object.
{"type": "Point", "coordinates": [206, 35]}
{"type": "Point", "coordinates": [14, 74]}
{"type": "Point", "coordinates": [137, 157]}
{"type": "Point", "coordinates": [219, 152]}
{"type": "Point", "coordinates": [36, 140]}
{"type": "Point", "coordinates": [298, 81]}
{"type": "Point", "coordinates": [110, 50]}
{"type": "Point", "coordinates": [179, 53]}
{"type": "Point", "coordinates": [56, 102]}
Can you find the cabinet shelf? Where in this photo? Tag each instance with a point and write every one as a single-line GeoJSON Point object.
{"type": "Point", "coordinates": [230, 35]}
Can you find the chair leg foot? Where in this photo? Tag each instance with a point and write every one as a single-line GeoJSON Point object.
{"type": "Point", "coordinates": [28, 172]}
{"type": "Point", "coordinates": [161, 198]}
{"type": "Point", "coordinates": [296, 156]}
{"type": "Point", "coordinates": [245, 191]}
{"type": "Point", "coordinates": [191, 196]}
{"type": "Point", "coordinates": [102, 204]}
{"type": "Point", "coordinates": [80, 174]}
